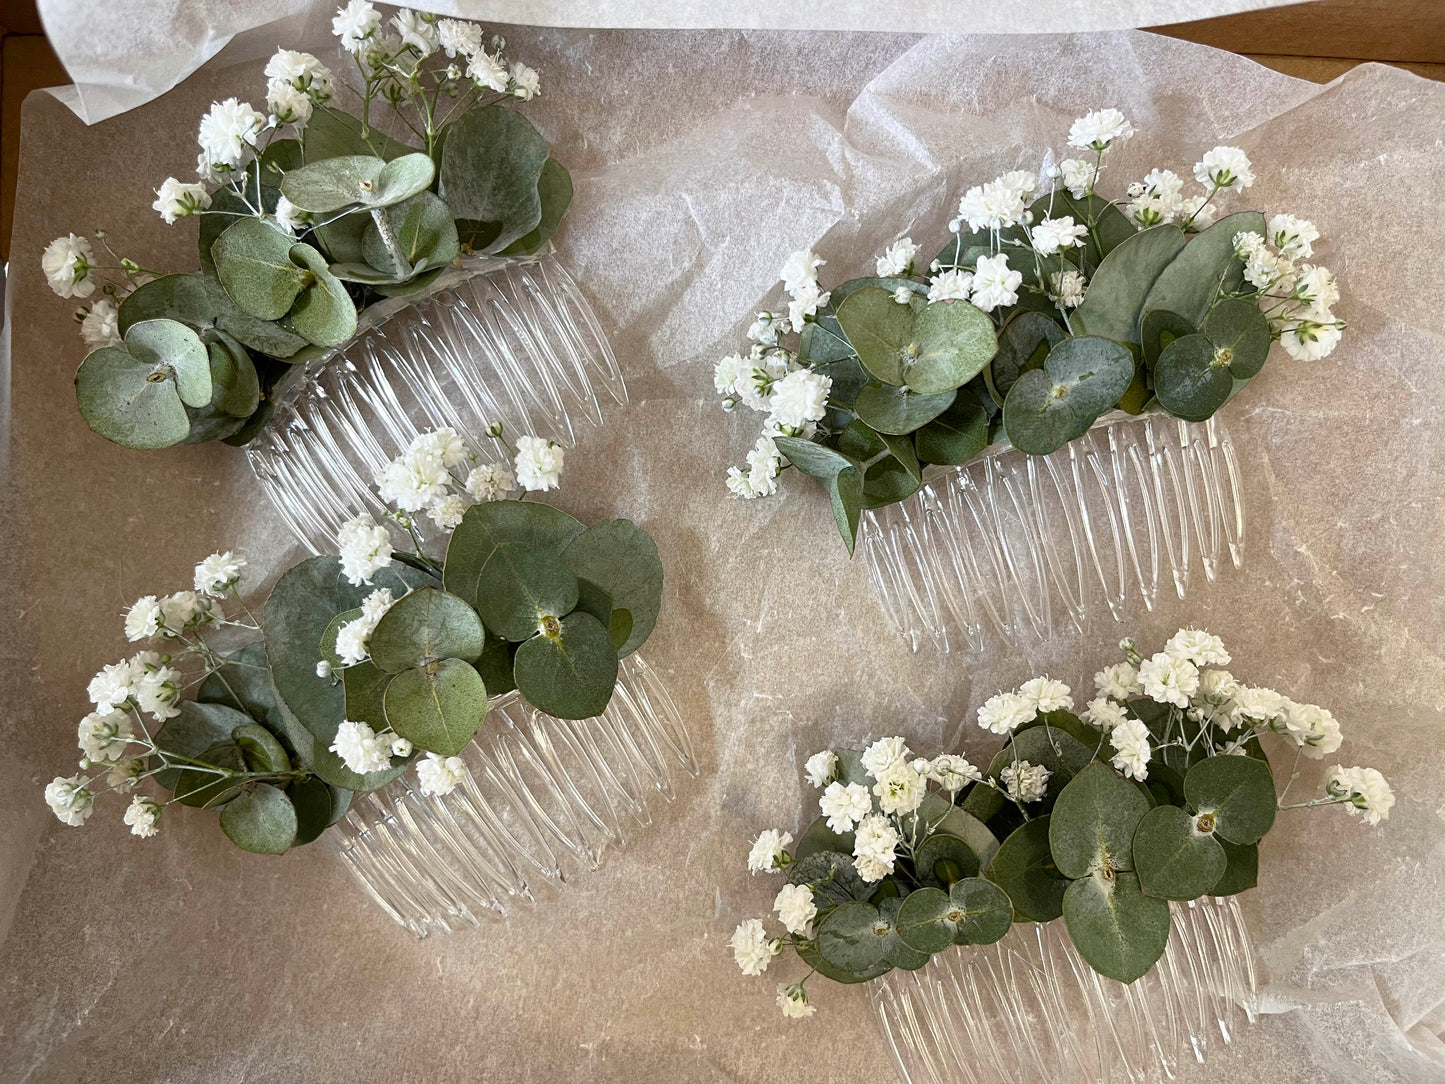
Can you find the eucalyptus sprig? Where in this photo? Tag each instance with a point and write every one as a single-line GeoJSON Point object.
{"type": "Point", "coordinates": [1048, 309]}
{"type": "Point", "coordinates": [310, 214]}
{"type": "Point", "coordinates": [1160, 790]}
{"type": "Point", "coordinates": [364, 663]}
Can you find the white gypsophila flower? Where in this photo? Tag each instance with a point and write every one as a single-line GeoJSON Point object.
{"type": "Point", "coordinates": [1224, 167]}
{"type": "Point", "coordinates": [740, 484]}
{"type": "Point", "coordinates": [289, 105]}
{"type": "Point", "coordinates": [991, 206]}
{"type": "Point", "coordinates": [805, 302]}
{"type": "Point", "coordinates": [1313, 728]}
{"type": "Point", "coordinates": [1314, 287]}
{"type": "Point", "coordinates": [361, 748]}
{"type": "Point", "coordinates": [884, 754]}
{"type": "Point", "coordinates": [375, 605]}
{"type": "Point", "coordinates": [288, 217]}
{"type": "Point", "coordinates": [1099, 129]}
{"type": "Point", "coordinates": [1293, 236]}
{"type": "Point", "coordinates": [900, 789]}
{"type": "Point", "coordinates": [400, 747]}
{"type": "Point", "coordinates": [1067, 289]}
{"type": "Point", "coordinates": [1365, 791]}
{"type": "Point", "coordinates": [875, 846]}
{"type": "Point", "coordinates": [764, 330]}
{"type": "Point", "coordinates": [751, 947]}
{"type": "Point", "coordinates": [125, 773]}
{"type": "Point", "coordinates": [994, 285]}
{"type": "Point", "coordinates": [903, 295]}
{"type": "Point", "coordinates": [1197, 211]}
{"type": "Point", "coordinates": [795, 907]}
{"type": "Point", "coordinates": [1006, 712]}
{"type": "Point", "coordinates": [526, 83]}
{"type": "Point", "coordinates": [897, 258]}
{"type": "Point", "coordinates": [490, 482]}
{"type": "Point", "coordinates": [821, 767]}
{"type": "Point", "coordinates": [101, 325]}
{"type": "Point", "coordinates": [416, 31]}
{"type": "Point", "coordinates": [730, 374]}
{"type": "Point", "coordinates": [228, 133]}
{"type": "Point", "coordinates": [1052, 234]}
{"type": "Point", "coordinates": [761, 371]}
{"type": "Point", "coordinates": [104, 737]}
{"type": "Point", "coordinates": [67, 262]}
{"type": "Point", "coordinates": [302, 71]}
{"type": "Point", "coordinates": [844, 806]}
{"type": "Point", "coordinates": [1197, 646]}
{"type": "Point", "coordinates": [219, 572]}
{"type": "Point", "coordinates": [800, 270]}
{"type": "Point", "coordinates": [111, 687]}
{"type": "Point", "coordinates": [1167, 679]}
{"type": "Point", "coordinates": [1305, 340]}
{"type": "Point", "coordinates": [352, 643]}
{"type": "Point", "coordinates": [1261, 266]}
{"type": "Point", "coordinates": [1132, 748]}
{"type": "Point", "coordinates": [1079, 176]}
{"type": "Point", "coordinates": [1104, 713]}
{"type": "Point", "coordinates": [186, 609]}
{"type": "Point", "coordinates": [69, 799]}
{"type": "Point", "coordinates": [488, 71]}
{"type": "Point", "coordinates": [1120, 681]}
{"type": "Point", "coordinates": [793, 1001]}
{"type": "Point", "coordinates": [799, 398]}
{"type": "Point", "coordinates": [768, 850]}
{"type": "Point", "coordinates": [143, 815]}
{"type": "Point", "coordinates": [1254, 704]}
{"type": "Point", "coordinates": [355, 24]}
{"type": "Point", "coordinates": [364, 547]}
{"type": "Point", "coordinates": [765, 462]}
{"type": "Point", "coordinates": [156, 693]}
{"type": "Point", "coordinates": [954, 285]}
{"type": "Point", "coordinates": [1047, 694]}
{"type": "Point", "coordinates": [440, 775]}
{"type": "Point", "coordinates": [1020, 182]}
{"type": "Point", "coordinates": [177, 200]}
{"type": "Point", "coordinates": [1025, 782]}
{"type": "Point", "coordinates": [1157, 199]}
{"type": "Point", "coordinates": [1217, 688]}
{"type": "Point", "coordinates": [953, 772]}
{"type": "Point", "coordinates": [143, 619]}
{"type": "Point", "coordinates": [414, 479]}
{"type": "Point", "coordinates": [459, 38]}
{"type": "Point", "coordinates": [323, 668]}
{"type": "Point", "coordinates": [447, 512]}
{"type": "Point", "coordinates": [538, 464]}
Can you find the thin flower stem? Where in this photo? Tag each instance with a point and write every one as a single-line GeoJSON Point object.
{"type": "Point", "coordinates": [1293, 775]}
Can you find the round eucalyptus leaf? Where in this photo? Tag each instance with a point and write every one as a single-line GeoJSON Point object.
{"type": "Point", "coordinates": [956, 435]}
{"type": "Point", "coordinates": [343, 240]}
{"type": "Point", "coordinates": [261, 819]}
{"type": "Point", "coordinates": [279, 158]}
{"type": "Point", "coordinates": [364, 688]}
{"type": "Point", "coordinates": [1024, 868]}
{"type": "Point", "coordinates": [414, 285]}
{"type": "Point", "coordinates": [1239, 331]}
{"type": "Point", "coordinates": [520, 586]}
{"type": "Point", "coordinates": [895, 949]}
{"type": "Point", "coordinates": [810, 955]}
{"type": "Point", "coordinates": [819, 837]}
{"type": "Point", "coordinates": [851, 936]}
{"type": "Point", "coordinates": [1036, 415]}
{"type": "Point", "coordinates": [129, 401]}
{"type": "Point", "coordinates": [1114, 302]}
{"type": "Point", "coordinates": [1055, 748]}
{"type": "Point", "coordinates": [324, 313]}
{"type": "Point", "coordinates": [879, 329]}
{"type": "Point", "coordinates": [171, 347]}
{"type": "Point", "coordinates": [1093, 823]}
{"type": "Point", "coordinates": [1174, 860]}
{"type": "Point", "coordinates": [981, 913]}
{"type": "Point", "coordinates": [1241, 870]}
{"type": "Point", "coordinates": [330, 133]}
{"type": "Point", "coordinates": [400, 179]}
{"type": "Point", "coordinates": [1023, 343]}
{"type": "Point", "coordinates": [495, 665]}
{"type": "Point", "coordinates": [569, 675]}
{"type": "Point", "coordinates": [261, 750]}
{"type": "Point", "coordinates": [923, 920]}
{"type": "Point", "coordinates": [172, 297]}
{"type": "Point", "coordinates": [1160, 328]}
{"type": "Point", "coordinates": [328, 185]}
{"type": "Point", "coordinates": [897, 411]}
{"type": "Point", "coordinates": [264, 336]}
{"type": "Point", "coordinates": [594, 600]}
{"type": "Point", "coordinates": [1119, 931]}
{"type": "Point", "coordinates": [1081, 378]}
{"type": "Point", "coordinates": [490, 169]}
{"type": "Point", "coordinates": [554, 190]}
{"type": "Point", "coordinates": [1206, 266]}
{"type": "Point", "coordinates": [207, 790]}
{"type": "Point", "coordinates": [619, 628]}
{"type": "Point", "coordinates": [1191, 378]}
{"type": "Point", "coordinates": [490, 524]}
{"type": "Point", "coordinates": [426, 625]}
{"type": "Point", "coordinates": [235, 385]}
{"type": "Point", "coordinates": [315, 804]}
{"type": "Point", "coordinates": [942, 859]}
{"type": "Point", "coordinates": [831, 875]}
{"type": "Point", "coordinates": [363, 273]}
{"type": "Point", "coordinates": [254, 265]}
{"type": "Point", "coordinates": [933, 349]}
{"type": "Point", "coordinates": [814, 459]}
{"type": "Point", "coordinates": [622, 559]}
{"type": "Point", "coordinates": [1238, 792]}
{"type": "Point", "coordinates": [438, 707]}
{"type": "Point", "coordinates": [423, 229]}
{"type": "Point", "coordinates": [936, 814]}
{"type": "Point", "coordinates": [244, 684]}
{"type": "Point", "coordinates": [198, 727]}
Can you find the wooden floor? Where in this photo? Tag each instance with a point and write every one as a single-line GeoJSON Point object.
{"type": "Point", "coordinates": [1318, 40]}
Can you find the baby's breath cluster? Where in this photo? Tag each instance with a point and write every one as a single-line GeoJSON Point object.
{"type": "Point", "coordinates": [1159, 789]}
{"type": "Point", "coordinates": [1050, 307]}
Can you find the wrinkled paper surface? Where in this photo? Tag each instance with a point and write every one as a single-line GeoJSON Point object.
{"type": "Point", "coordinates": [120, 56]}
{"type": "Point", "coordinates": [701, 160]}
